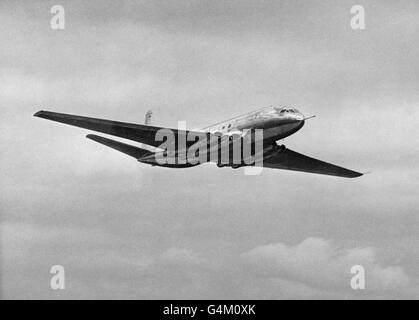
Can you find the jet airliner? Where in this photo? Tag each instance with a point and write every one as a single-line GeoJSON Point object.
{"type": "Point", "coordinates": [276, 123]}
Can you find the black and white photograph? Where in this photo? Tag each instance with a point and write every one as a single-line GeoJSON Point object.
{"type": "Point", "coordinates": [224, 150]}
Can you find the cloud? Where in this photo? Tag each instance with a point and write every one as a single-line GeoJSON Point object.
{"type": "Point", "coordinates": [104, 266]}
{"type": "Point", "coordinates": [179, 256]}
{"type": "Point", "coordinates": [318, 263]}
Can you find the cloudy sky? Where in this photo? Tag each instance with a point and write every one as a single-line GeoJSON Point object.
{"type": "Point", "coordinates": [125, 230]}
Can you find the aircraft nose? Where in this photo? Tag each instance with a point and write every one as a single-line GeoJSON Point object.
{"type": "Point", "coordinates": [301, 120]}
{"type": "Point", "coordinates": [299, 116]}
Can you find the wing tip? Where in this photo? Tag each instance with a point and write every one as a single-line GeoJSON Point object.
{"type": "Point", "coordinates": [39, 113]}
{"type": "Point", "coordinates": [356, 175]}
{"type": "Point", "coordinates": [359, 174]}
{"type": "Point", "coordinates": [45, 114]}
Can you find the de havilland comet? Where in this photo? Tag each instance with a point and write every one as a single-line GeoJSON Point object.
{"type": "Point", "coordinates": [275, 123]}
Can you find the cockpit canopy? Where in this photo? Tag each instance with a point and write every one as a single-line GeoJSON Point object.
{"type": "Point", "coordinates": [286, 110]}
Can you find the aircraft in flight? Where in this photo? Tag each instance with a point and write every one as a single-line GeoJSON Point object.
{"type": "Point", "coordinates": [275, 123]}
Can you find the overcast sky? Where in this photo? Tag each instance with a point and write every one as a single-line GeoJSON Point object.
{"type": "Point", "coordinates": [122, 229]}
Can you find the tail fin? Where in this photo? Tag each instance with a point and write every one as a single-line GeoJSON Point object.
{"type": "Point", "coordinates": [148, 115]}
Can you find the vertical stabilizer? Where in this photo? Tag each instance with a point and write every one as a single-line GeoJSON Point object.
{"type": "Point", "coordinates": [148, 115]}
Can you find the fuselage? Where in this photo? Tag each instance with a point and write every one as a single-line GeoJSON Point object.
{"type": "Point", "coordinates": [277, 123]}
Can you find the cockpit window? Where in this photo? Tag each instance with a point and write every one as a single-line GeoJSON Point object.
{"type": "Point", "coordinates": [286, 110]}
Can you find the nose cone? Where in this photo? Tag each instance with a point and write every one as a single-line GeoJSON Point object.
{"type": "Point", "coordinates": [302, 122]}
{"type": "Point", "coordinates": [299, 116]}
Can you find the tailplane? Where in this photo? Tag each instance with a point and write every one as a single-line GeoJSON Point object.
{"type": "Point", "coordinates": [121, 147]}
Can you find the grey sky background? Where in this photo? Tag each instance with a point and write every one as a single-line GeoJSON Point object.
{"type": "Point", "coordinates": [125, 230]}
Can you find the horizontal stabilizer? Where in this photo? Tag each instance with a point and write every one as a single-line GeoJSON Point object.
{"type": "Point", "coordinates": [122, 147]}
